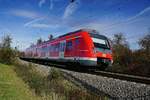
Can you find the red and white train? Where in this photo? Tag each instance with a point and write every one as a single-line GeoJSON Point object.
{"type": "Point", "coordinates": [84, 47]}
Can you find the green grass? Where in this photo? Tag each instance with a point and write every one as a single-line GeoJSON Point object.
{"type": "Point", "coordinates": [12, 87]}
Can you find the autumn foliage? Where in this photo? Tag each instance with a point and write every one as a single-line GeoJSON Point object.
{"type": "Point", "coordinates": [131, 61]}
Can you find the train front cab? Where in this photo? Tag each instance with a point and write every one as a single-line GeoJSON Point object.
{"type": "Point", "coordinates": [102, 50]}
{"type": "Point", "coordinates": [100, 53]}
{"type": "Point", "coordinates": [90, 49]}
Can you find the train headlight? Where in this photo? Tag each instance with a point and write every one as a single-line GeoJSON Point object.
{"type": "Point", "coordinates": [103, 55]}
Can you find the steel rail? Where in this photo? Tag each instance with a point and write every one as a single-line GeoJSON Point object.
{"type": "Point", "coordinates": [131, 78]}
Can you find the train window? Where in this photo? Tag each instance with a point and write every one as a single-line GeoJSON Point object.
{"type": "Point", "coordinates": [57, 47]}
{"type": "Point", "coordinates": [44, 49]}
{"type": "Point", "coordinates": [54, 48]}
{"type": "Point", "coordinates": [49, 48]}
{"type": "Point", "coordinates": [69, 45]}
{"type": "Point", "coordinates": [100, 43]}
{"type": "Point", "coordinates": [62, 46]}
{"type": "Point", "coordinates": [77, 41]}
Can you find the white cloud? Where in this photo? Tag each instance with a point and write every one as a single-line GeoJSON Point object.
{"type": "Point", "coordinates": [71, 8]}
{"type": "Point", "coordinates": [32, 21]}
{"type": "Point", "coordinates": [139, 14]}
{"type": "Point", "coordinates": [51, 4]}
{"type": "Point", "coordinates": [42, 25]}
{"type": "Point", "coordinates": [36, 24]}
{"type": "Point", "coordinates": [39, 25]}
{"type": "Point", "coordinates": [41, 2]}
{"type": "Point", "coordinates": [130, 20]}
{"type": "Point", "coordinates": [25, 13]}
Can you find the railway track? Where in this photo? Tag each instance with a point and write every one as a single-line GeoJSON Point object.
{"type": "Point", "coordinates": [132, 78]}
{"type": "Point", "coordinates": [115, 89]}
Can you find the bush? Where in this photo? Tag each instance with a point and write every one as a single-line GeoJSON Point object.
{"type": "Point", "coordinates": [140, 64]}
{"type": "Point", "coordinates": [30, 75]}
{"type": "Point", "coordinates": [122, 55]}
{"type": "Point", "coordinates": [52, 86]}
{"type": "Point", "coordinates": [54, 74]}
{"type": "Point", "coordinates": [41, 84]}
{"type": "Point", "coordinates": [7, 54]}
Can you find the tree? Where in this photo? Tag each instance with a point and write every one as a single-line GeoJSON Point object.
{"type": "Point", "coordinates": [121, 50]}
{"type": "Point", "coordinates": [119, 39]}
{"type": "Point", "coordinates": [50, 37]}
{"type": "Point", "coordinates": [7, 54]}
{"type": "Point", "coordinates": [141, 57]}
{"type": "Point", "coordinates": [39, 41]}
{"type": "Point", "coordinates": [6, 42]}
{"type": "Point", "coordinates": [145, 43]}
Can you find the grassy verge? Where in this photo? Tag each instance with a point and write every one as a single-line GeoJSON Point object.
{"type": "Point", "coordinates": [12, 87]}
{"type": "Point", "coordinates": [52, 86]}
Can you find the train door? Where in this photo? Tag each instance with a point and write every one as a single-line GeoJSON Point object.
{"type": "Point", "coordinates": [62, 49]}
{"type": "Point", "coordinates": [47, 51]}
{"type": "Point", "coordinates": [77, 47]}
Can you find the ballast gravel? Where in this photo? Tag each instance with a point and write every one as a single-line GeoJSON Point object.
{"type": "Point", "coordinates": [115, 88]}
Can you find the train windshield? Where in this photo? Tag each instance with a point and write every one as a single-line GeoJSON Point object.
{"type": "Point", "coordinates": [101, 43]}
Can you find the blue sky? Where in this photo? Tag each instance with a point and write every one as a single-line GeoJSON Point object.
{"type": "Point", "coordinates": [28, 20]}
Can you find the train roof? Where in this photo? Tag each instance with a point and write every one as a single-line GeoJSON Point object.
{"type": "Point", "coordinates": [92, 32]}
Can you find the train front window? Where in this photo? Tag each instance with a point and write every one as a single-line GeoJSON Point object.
{"type": "Point", "coordinates": [100, 43]}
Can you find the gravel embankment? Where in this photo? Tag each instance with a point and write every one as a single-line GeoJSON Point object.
{"type": "Point", "coordinates": [114, 88]}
